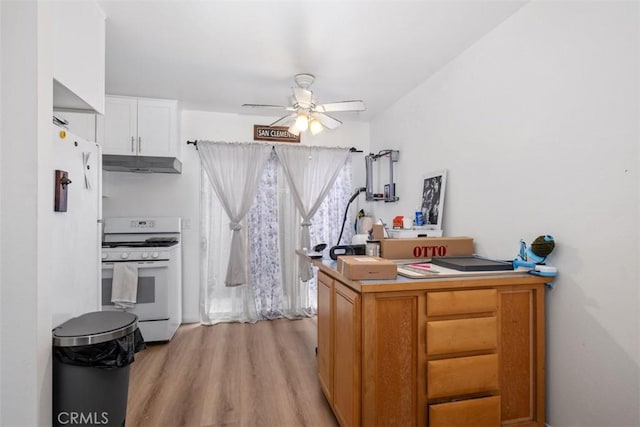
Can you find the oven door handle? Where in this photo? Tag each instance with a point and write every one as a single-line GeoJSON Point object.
{"type": "Point", "coordinates": [140, 264]}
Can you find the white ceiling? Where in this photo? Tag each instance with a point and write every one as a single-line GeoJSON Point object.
{"type": "Point", "coordinates": [217, 55]}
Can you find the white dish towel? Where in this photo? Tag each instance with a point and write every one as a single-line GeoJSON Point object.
{"type": "Point", "coordinates": [124, 289]}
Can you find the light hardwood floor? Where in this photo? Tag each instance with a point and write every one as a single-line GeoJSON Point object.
{"type": "Point", "coordinates": [244, 375]}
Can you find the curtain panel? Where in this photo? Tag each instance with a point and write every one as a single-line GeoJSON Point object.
{"type": "Point", "coordinates": [234, 170]}
{"type": "Point", "coordinates": [311, 172]}
{"type": "Point", "coordinates": [218, 302]}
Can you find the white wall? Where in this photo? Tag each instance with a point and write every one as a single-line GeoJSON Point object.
{"type": "Point", "coordinates": [131, 194]}
{"type": "Point", "coordinates": [537, 124]}
{"type": "Point", "coordinates": [1, 201]}
{"type": "Point", "coordinates": [30, 276]}
{"type": "Point", "coordinates": [26, 194]}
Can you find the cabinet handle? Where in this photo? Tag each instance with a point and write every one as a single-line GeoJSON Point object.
{"type": "Point", "coordinates": [132, 147]}
{"type": "Point", "coordinates": [139, 145]}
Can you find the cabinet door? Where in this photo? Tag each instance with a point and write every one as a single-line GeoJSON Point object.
{"type": "Point", "coordinates": [120, 129]}
{"type": "Point", "coordinates": [325, 335]}
{"type": "Point", "coordinates": [347, 355]}
{"type": "Point", "coordinates": [157, 128]}
{"type": "Point", "coordinates": [522, 355]}
{"type": "Point", "coordinates": [390, 383]}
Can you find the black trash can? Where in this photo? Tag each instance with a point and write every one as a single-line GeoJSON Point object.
{"type": "Point", "coordinates": [92, 355]}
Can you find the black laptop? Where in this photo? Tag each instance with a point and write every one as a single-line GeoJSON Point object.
{"type": "Point", "coordinates": [472, 263]}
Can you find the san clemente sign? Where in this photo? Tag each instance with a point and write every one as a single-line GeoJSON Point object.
{"type": "Point", "coordinates": [274, 133]}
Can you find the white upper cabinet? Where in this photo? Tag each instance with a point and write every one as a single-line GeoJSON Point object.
{"type": "Point", "coordinates": [78, 55]}
{"type": "Point", "coordinates": [140, 127]}
{"type": "Point", "coordinates": [157, 128]}
{"type": "Point", "coordinates": [120, 126]}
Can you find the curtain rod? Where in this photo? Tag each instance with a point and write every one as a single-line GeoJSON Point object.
{"type": "Point", "coordinates": [352, 149]}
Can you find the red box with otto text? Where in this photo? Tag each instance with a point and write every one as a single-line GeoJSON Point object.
{"type": "Point", "coordinates": [426, 247]}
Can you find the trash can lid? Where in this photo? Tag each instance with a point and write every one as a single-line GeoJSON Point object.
{"type": "Point", "coordinates": [94, 328]}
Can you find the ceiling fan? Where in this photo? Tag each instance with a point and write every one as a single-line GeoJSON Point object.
{"type": "Point", "coordinates": [304, 113]}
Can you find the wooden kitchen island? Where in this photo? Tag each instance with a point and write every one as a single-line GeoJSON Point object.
{"type": "Point", "coordinates": [440, 352]}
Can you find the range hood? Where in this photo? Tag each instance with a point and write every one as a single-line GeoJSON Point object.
{"type": "Point", "coordinates": [141, 164]}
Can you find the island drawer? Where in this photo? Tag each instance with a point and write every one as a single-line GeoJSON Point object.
{"type": "Point", "coordinates": [461, 335]}
{"type": "Point", "coordinates": [462, 375]}
{"type": "Point", "coordinates": [450, 303]}
{"type": "Point", "coordinates": [482, 412]}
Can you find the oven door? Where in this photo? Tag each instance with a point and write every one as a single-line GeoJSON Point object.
{"type": "Point", "coordinates": [153, 284]}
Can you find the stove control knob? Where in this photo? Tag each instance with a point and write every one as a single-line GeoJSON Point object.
{"type": "Point", "coordinates": [105, 256]}
{"type": "Point", "coordinates": [145, 255]}
{"type": "Point", "coordinates": [124, 255]}
{"type": "Point", "coordinates": [155, 255]}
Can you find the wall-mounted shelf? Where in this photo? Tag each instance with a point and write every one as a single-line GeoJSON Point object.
{"type": "Point", "coordinates": [389, 194]}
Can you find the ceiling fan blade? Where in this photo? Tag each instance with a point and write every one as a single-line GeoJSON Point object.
{"type": "Point", "coordinates": [326, 120]}
{"type": "Point", "coordinates": [304, 97]}
{"type": "Point", "coordinates": [279, 107]}
{"type": "Point", "coordinates": [341, 106]}
{"type": "Point", "coordinates": [283, 121]}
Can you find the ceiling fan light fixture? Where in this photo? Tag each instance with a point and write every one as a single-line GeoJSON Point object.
{"type": "Point", "coordinates": [302, 122]}
{"type": "Point", "coordinates": [315, 127]}
{"type": "Point", "coordinates": [294, 130]}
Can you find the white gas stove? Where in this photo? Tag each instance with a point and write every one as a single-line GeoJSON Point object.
{"type": "Point", "coordinates": [152, 246]}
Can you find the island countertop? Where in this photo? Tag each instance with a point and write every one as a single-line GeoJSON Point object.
{"type": "Point", "coordinates": [401, 283]}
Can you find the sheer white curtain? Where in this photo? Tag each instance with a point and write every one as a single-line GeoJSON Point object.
{"type": "Point", "coordinates": [234, 170]}
{"type": "Point", "coordinates": [310, 172]}
{"type": "Point", "coordinates": [219, 303]}
{"type": "Point", "coordinates": [326, 228]}
{"type": "Point", "coordinates": [272, 226]}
